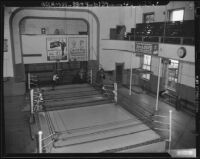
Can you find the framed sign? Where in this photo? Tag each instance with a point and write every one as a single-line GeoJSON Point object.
{"type": "Point", "coordinates": [146, 48]}
{"type": "Point", "coordinates": [5, 48]}
{"type": "Point", "coordinates": [57, 48]}
{"type": "Point", "coordinates": [78, 48]}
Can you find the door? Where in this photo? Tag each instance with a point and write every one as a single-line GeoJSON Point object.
{"type": "Point", "coordinates": [119, 72]}
{"type": "Point", "coordinates": [165, 63]}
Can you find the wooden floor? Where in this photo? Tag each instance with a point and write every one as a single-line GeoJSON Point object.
{"type": "Point", "coordinates": [17, 135]}
{"type": "Point", "coordinates": [99, 128]}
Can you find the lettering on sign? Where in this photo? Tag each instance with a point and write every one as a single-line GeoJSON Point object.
{"type": "Point", "coordinates": [78, 48]}
{"type": "Point", "coordinates": [146, 48]}
{"type": "Point", "coordinates": [57, 48]}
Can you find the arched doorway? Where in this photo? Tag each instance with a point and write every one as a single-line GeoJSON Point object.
{"type": "Point", "coordinates": [22, 13]}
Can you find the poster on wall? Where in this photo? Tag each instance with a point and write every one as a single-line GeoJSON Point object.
{"type": "Point", "coordinates": [57, 48]}
{"type": "Point", "coordinates": [78, 50]}
{"type": "Point", "coordinates": [146, 48]}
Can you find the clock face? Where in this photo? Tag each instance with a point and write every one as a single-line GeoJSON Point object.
{"type": "Point", "coordinates": [181, 52]}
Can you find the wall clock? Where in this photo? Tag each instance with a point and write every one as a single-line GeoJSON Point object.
{"type": "Point", "coordinates": [181, 52]}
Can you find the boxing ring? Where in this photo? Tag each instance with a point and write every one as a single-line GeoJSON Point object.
{"type": "Point", "coordinates": [77, 118]}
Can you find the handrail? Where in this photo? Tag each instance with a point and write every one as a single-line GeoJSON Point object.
{"type": "Point", "coordinates": [169, 130]}
{"type": "Point", "coordinates": [32, 80]}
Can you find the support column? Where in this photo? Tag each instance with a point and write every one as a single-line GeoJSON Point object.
{"type": "Point", "coordinates": [158, 86]}
{"type": "Point", "coordinates": [130, 85]}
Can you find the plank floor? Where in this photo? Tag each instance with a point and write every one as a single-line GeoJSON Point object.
{"type": "Point", "coordinates": [17, 135]}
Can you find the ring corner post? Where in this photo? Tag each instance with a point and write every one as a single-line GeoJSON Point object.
{"type": "Point", "coordinates": [40, 141]}
{"type": "Point", "coordinates": [170, 129]}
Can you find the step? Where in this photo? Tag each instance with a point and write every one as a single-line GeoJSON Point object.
{"type": "Point", "coordinates": [66, 86]}
{"type": "Point", "coordinates": [131, 142]}
{"type": "Point", "coordinates": [69, 97]}
{"type": "Point", "coordinates": [69, 140]}
{"type": "Point", "coordinates": [62, 91]}
{"type": "Point", "coordinates": [76, 105]}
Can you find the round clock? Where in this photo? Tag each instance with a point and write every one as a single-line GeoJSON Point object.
{"type": "Point", "coordinates": [181, 52]}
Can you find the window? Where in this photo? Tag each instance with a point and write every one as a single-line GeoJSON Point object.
{"type": "Point", "coordinates": [172, 75]}
{"type": "Point", "coordinates": [148, 18]}
{"type": "Point", "coordinates": [147, 66]}
{"type": "Point", "coordinates": [176, 15]}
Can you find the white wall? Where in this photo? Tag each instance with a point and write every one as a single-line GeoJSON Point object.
{"type": "Point", "coordinates": [110, 17]}
{"type": "Point", "coordinates": [55, 13]}
{"type": "Point", "coordinates": [118, 44]}
{"type": "Point", "coordinates": [187, 74]}
{"type": "Point", "coordinates": [109, 57]}
{"type": "Point", "coordinates": [7, 56]}
{"type": "Point", "coordinates": [170, 51]}
{"type": "Point", "coordinates": [33, 26]}
{"type": "Point", "coordinates": [36, 44]}
{"type": "Point", "coordinates": [112, 52]}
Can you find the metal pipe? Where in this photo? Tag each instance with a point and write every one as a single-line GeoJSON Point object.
{"type": "Point", "coordinates": [130, 77]}
{"type": "Point", "coordinates": [40, 141]}
{"type": "Point", "coordinates": [158, 87]}
{"type": "Point", "coordinates": [160, 122]}
{"type": "Point", "coordinates": [29, 85]}
{"type": "Point", "coordinates": [115, 92]}
{"type": "Point", "coordinates": [31, 94]}
{"type": "Point", "coordinates": [161, 116]}
{"type": "Point", "coordinates": [170, 129]}
{"type": "Point", "coordinates": [91, 76]}
{"type": "Point", "coordinates": [162, 129]}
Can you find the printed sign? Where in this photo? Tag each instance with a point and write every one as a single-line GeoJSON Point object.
{"type": "Point", "coordinates": [78, 50]}
{"type": "Point", "coordinates": [57, 48]}
{"type": "Point", "coordinates": [146, 48]}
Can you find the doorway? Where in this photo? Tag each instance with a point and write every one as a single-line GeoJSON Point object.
{"type": "Point", "coordinates": [119, 67]}
{"type": "Point", "coordinates": [164, 81]}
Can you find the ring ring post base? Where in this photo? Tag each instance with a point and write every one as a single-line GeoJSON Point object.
{"type": "Point", "coordinates": [32, 131]}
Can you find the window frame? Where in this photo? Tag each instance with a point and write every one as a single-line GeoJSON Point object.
{"type": "Point", "coordinates": [146, 74]}
{"type": "Point", "coordinates": [170, 12]}
{"type": "Point", "coordinates": [149, 13]}
{"type": "Point", "coordinates": [173, 78]}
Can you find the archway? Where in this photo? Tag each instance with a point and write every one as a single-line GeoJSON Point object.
{"type": "Point", "coordinates": [21, 13]}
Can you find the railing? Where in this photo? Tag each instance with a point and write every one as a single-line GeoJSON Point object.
{"type": "Point", "coordinates": [162, 39]}
{"type": "Point", "coordinates": [110, 91]}
{"type": "Point", "coordinates": [149, 117]}
{"type": "Point", "coordinates": [169, 125]}
{"type": "Point", "coordinates": [32, 80]}
{"type": "Point", "coordinates": [42, 147]}
{"type": "Point", "coordinates": [36, 100]}
{"type": "Point", "coordinates": [91, 80]}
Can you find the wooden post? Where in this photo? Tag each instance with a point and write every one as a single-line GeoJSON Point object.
{"type": "Point", "coordinates": [31, 97]}
{"type": "Point", "coordinates": [130, 85]}
{"type": "Point", "coordinates": [40, 141]}
{"type": "Point", "coordinates": [170, 129]}
{"type": "Point", "coordinates": [91, 76]}
{"type": "Point", "coordinates": [115, 92]}
{"type": "Point", "coordinates": [158, 86]}
{"type": "Point", "coordinates": [29, 81]}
